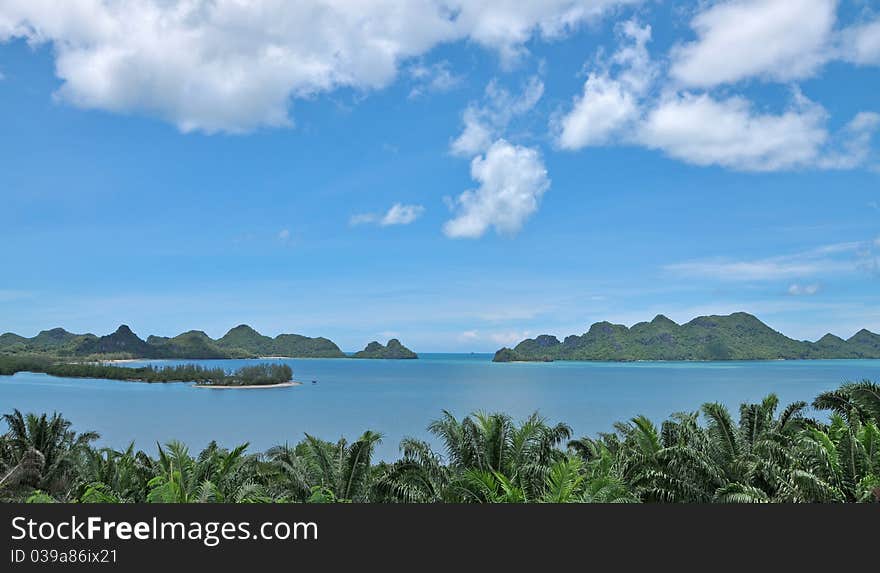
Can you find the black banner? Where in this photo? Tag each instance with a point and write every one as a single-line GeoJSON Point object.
{"type": "Point", "coordinates": [134, 537]}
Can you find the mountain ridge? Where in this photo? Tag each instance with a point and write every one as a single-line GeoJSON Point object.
{"type": "Point", "coordinates": [737, 336]}
{"type": "Point", "coordinates": [241, 341]}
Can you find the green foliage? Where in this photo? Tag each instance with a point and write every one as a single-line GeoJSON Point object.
{"type": "Point", "coordinates": [245, 376]}
{"type": "Point", "coordinates": [243, 338]}
{"type": "Point", "coordinates": [240, 342]}
{"type": "Point", "coordinates": [739, 336]}
{"type": "Point", "coordinates": [768, 454]}
{"type": "Point", "coordinates": [257, 375]}
{"type": "Point", "coordinates": [393, 350]}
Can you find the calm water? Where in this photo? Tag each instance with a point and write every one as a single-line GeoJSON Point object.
{"type": "Point", "coordinates": [399, 398]}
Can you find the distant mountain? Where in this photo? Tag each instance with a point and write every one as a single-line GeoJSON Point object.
{"type": "Point", "coordinates": [53, 339]}
{"type": "Point", "coordinates": [246, 339]}
{"type": "Point", "coordinates": [739, 336]}
{"type": "Point", "coordinates": [240, 342]}
{"type": "Point", "coordinates": [192, 344]}
{"type": "Point", "coordinates": [9, 340]}
{"type": "Point", "coordinates": [297, 345]}
{"type": "Point", "coordinates": [121, 342]}
{"type": "Point", "coordinates": [394, 349]}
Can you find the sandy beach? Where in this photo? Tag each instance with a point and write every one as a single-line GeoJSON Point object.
{"type": "Point", "coordinates": [250, 387]}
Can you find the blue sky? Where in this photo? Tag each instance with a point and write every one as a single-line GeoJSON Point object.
{"type": "Point", "coordinates": [457, 174]}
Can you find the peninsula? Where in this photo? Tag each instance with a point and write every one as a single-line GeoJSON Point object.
{"type": "Point", "coordinates": [739, 336]}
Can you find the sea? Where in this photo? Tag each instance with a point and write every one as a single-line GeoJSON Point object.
{"type": "Point", "coordinates": [342, 397]}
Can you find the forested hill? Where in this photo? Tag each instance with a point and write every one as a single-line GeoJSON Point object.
{"type": "Point", "coordinates": [394, 349]}
{"type": "Point", "coordinates": [739, 336]}
{"type": "Point", "coordinates": [240, 342]}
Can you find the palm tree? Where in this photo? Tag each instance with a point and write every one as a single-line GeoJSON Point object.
{"type": "Point", "coordinates": [420, 476]}
{"type": "Point", "coordinates": [106, 474]}
{"type": "Point", "coordinates": [287, 473]}
{"type": "Point", "coordinates": [217, 475]}
{"type": "Point", "coordinates": [860, 399]}
{"type": "Point", "coordinates": [839, 462]}
{"type": "Point", "coordinates": [752, 461]}
{"type": "Point", "coordinates": [492, 458]}
{"type": "Point", "coordinates": [41, 452]}
{"type": "Point", "coordinates": [342, 468]}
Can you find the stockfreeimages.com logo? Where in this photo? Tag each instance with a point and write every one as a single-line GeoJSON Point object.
{"type": "Point", "coordinates": [210, 533]}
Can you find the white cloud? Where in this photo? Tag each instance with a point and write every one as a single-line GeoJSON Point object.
{"type": "Point", "coordinates": [512, 181]}
{"type": "Point", "coordinates": [861, 43]}
{"type": "Point", "coordinates": [701, 130]}
{"type": "Point", "coordinates": [853, 145]}
{"type": "Point", "coordinates": [234, 66]}
{"type": "Point", "coordinates": [797, 289]}
{"type": "Point", "coordinates": [483, 123]}
{"type": "Point", "coordinates": [397, 214]}
{"type": "Point", "coordinates": [362, 219]}
{"type": "Point", "coordinates": [610, 104]}
{"type": "Point", "coordinates": [769, 269]}
{"type": "Point", "coordinates": [468, 335]}
{"type": "Point", "coordinates": [620, 102]}
{"type": "Point", "coordinates": [509, 338]}
{"type": "Point", "coordinates": [434, 78]}
{"type": "Point", "coordinates": [779, 40]}
{"type": "Point", "coordinates": [829, 259]}
{"type": "Point", "coordinates": [400, 214]}
{"type": "Point", "coordinates": [284, 235]}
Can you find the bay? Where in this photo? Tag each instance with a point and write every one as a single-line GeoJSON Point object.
{"type": "Point", "coordinates": [400, 397]}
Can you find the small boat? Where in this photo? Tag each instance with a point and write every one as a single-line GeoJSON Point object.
{"type": "Point", "coordinates": [314, 381]}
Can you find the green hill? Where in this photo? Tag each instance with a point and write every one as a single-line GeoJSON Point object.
{"type": "Point", "coordinates": [393, 350]}
{"type": "Point", "coordinates": [122, 342]}
{"type": "Point", "coordinates": [244, 338]}
{"type": "Point", "coordinates": [13, 342]}
{"type": "Point", "coordinates": [240, 342]}
{"type": "Point", "coordinates": [192, 344]}
{"type": "Point", "coordinates": [305, 347]}
{"type": "Point", "coordinates": [739, 336]}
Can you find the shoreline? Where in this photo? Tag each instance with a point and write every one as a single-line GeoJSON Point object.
{"type": "Point", "coordinates": [287, 384]}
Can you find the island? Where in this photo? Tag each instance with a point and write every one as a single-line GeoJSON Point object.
{"type": "Point", "coordinates": [256, 376]}
{"type": "Point", "coordinates": [393, 350]}
{"type": "Point", "coordinates": [738, 336]}
{"type": "Point", "coordinates": [241, 341]}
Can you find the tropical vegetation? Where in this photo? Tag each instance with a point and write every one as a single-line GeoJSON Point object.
{"type": "Point", "coordinates": [394, 350]}
{"type": "Point", "coordinates": [241, 341]}
{"type": "Point", "coordinates": [259, 374]}
{"type": "Point", "coordinates": [739, 336]}
{"type": "Point", "coordinates": [770, 454]}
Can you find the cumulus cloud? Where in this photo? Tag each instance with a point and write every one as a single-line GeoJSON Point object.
{"type": "Point", "coordinates": [398, 214]}
{"type": "Point", "coordinates": [779, 40]}
{"type": "Point", "coordinates": [702, 130]}
{"type": "Point", "coordinates": [860, 43]}
{"type": "Point", "coordinates": [610, 103]}
{"type": "Point", "coordinates": [486, 121]}
{"type": "Point", "coordinates": [234, 66]}
{"type": "Point", "coordinates": [512, 181]}
{"type": "Point", "coordinates": [625, 102]}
